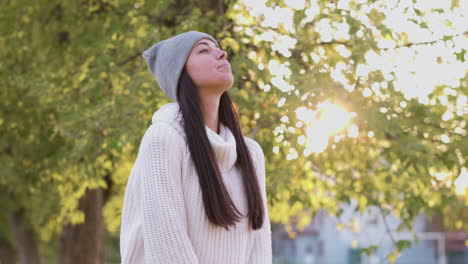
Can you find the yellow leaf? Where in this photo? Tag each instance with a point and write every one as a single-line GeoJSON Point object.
{"type": "Point", "coordinates": [103, 75]}
{"type": "Point", "coordinates": [230, 42]}
{"type": "Point", "coordinates": [93, 8]}
{"type": "Point", "coordinates": [77, 217]}
{"type": "Point", "coordinates": [81, 77]}
{"type": "Point", "coordinates": [141, 32]}
{"type": "Point", "coordinates": [26, 19]}
{"type": "Point", "coordinates": [107, 165]}
{"type": "Point", "coordinates": [244, 94]}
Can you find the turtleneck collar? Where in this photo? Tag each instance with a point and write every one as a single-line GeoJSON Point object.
{"type": "Point", "coordinates": [223, 144]}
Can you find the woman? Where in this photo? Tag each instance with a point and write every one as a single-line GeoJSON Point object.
{"type": "Point", "coordinates": [196, 193]}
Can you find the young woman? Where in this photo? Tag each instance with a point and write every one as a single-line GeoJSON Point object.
{"type": "Point", "coordinates": [196, 193]}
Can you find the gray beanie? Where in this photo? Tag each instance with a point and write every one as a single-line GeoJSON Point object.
{"type": "Point", "coordinates": [167, 58]}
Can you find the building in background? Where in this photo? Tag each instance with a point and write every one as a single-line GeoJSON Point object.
{"type": "Point", "coordinates": [321, 242]}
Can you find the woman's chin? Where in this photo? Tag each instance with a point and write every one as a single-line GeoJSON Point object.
{"type": "Point", "coordinates": [226, 80]}
{"type": "Point", "coordinates": [223, 83]}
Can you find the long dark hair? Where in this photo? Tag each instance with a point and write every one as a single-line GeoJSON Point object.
{"type": "Point", "coordinates": [219, 207]}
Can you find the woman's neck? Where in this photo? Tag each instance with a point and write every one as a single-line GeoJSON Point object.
{"type": "Point", "coordinates": [210, 111]}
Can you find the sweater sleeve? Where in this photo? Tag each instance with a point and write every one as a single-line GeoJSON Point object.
{"type": "Point", "coordinates": [262, 249]}
{"type": "Point", "coordinates": [164, 216]}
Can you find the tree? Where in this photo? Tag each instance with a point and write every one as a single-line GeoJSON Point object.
{"type": "Point", "coordinates": [392, 148]}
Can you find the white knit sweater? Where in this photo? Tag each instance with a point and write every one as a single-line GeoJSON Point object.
{"type": "Point", "coordinates": [163, 218]}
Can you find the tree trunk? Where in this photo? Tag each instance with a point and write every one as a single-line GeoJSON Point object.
{"type": "Point", "coordinates": [25, 239]}
{"type": "Point", "coordinates": [84, 243]}
{"type": "Point", "coordinates": [7, 252]}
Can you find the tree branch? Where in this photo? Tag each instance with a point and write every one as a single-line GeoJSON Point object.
{"type": "Point", "coordinates": [410, 44]}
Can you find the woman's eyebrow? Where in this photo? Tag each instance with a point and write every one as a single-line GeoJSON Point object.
{"type": "Point", "coordinates": [206, 44]}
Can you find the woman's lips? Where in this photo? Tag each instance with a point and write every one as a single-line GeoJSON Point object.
{"type": "Point", "coordinates": [224, 65]}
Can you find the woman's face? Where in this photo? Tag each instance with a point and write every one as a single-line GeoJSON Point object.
{"type": "Point", "coordinates": [208, 67]}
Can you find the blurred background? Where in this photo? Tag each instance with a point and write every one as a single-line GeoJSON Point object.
{"type": "Point", "coordinates": [360, 107]}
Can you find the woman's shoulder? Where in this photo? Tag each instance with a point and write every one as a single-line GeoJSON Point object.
{"type": "Point", "coordinates": [167, 120]}
{"type": "Point", "coordinates": [254, 146]}
{"type": "Point", "coordinates": [169, 113]}
{"type": "Point", "coordinates": [163, 135]}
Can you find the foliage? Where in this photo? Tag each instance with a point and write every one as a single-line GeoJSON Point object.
{"type": "Point", "coordinates": [77, 98]}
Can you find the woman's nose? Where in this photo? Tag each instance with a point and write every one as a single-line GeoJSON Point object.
{"type": "Point", "coordinates": [222, 54]}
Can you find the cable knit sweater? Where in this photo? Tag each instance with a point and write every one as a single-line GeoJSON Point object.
{"type": "Point", "coordinates": [163, 218]}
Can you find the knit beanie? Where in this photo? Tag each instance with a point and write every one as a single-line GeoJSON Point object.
{"type": "Point", "coordinates": [167, 58]}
